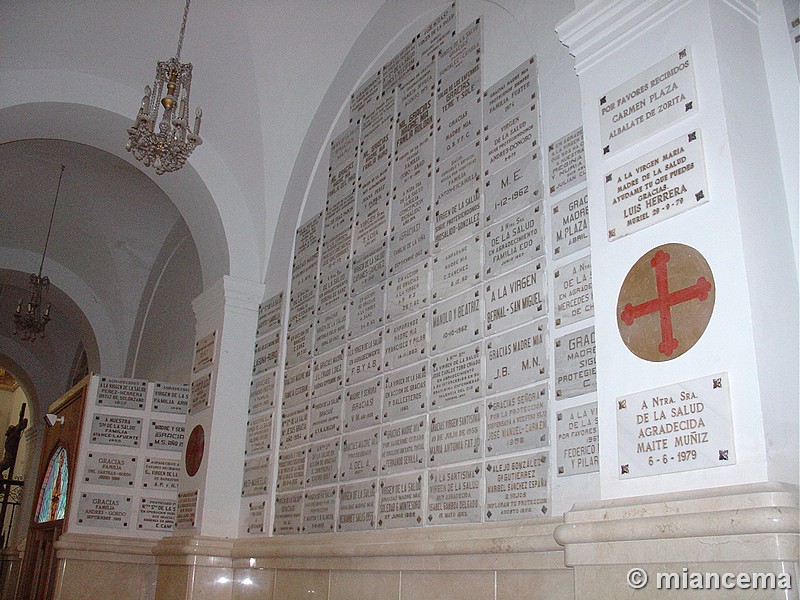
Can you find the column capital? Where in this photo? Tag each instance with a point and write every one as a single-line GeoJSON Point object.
{"type": "Point", "coordinates": [227, 292]}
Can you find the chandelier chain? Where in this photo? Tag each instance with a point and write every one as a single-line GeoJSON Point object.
{"type": "Point", "coordinates": [50, 226]}
{"type": "Point", "coordinates": [183, 29]}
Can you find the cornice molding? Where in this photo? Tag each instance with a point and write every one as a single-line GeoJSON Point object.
{"type": "Point", "coordinates": [227, 292]}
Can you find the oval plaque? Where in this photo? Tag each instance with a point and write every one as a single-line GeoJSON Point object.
{"type": "Point", "coordinates": [195, 448]}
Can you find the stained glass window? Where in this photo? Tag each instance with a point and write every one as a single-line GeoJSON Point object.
{"type": "Point", "coordinates": [52, 504]}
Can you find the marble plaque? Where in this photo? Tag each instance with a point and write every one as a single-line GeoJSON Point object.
{"type": "Point", "coordinates": [405, 392]}
{"type": "Point", "coordinates": [256, 512]}
{"type": "Point", "coordinates": [256, 476]}
{"type": "Point", "coordinates": [400, 501]}
{"type": "Point", "coordinates": [364, 357]}
{"type": "Point", "coordinates": [172, 398]}
{"type": "Point", "coordinates": [517, 357]}
{"type": "Point", "coordinates": [304, 283]}
{"type": "Point", "coordinates": [326, 417]}
{"type": "Point", "coordinates": [415, 104]}
{"type": "Point", "coordinates": [456, 435]}
{"type": "Point", "coordinates": [332, 282]}
{"type": "Point", "coordinates": [576, 370]}
{"type": "Point", "coordinates": [104, 510]}
{"type": "Point", "coordinates": [413, 160]}
{"type": "Point", "coordinates": [319, 508]}
{"type": "Point", "coordinates": [406, 341]}
{"type": "Point", "coordinates": [360, 455]}
{"type": "Point", "coordinates": [307, 237]}
{"type": "Point", "coordinates": [515, 298]}
{"type": "Point", "coordinates": [656, 186]}
{"type": "Point", "coordinates": [266, 353]}
{"type": "Point", "coordinates": [109, 469]}
{"type": "Point", "coordinates": [462, 52]}
{"type": "Point", "coordinates": [403, 447]}
{"type": "Point", "coordinates": [456, 321]}
{"type": "Point", "coordinates": [567, 159]}
{"type": "Point", "coordinates": [335, 250]}
{"type": "Point", "coordinates": [157, 514]}
{"type": "Point", "coordinates": [457, 219]}
{"type": "Point", "coordinates": [517, 421]}
{"type": "Point", "coordinates": [288, 513]}
{"type": "Point", "coordinates": [648, 102]}
{"type": "Point", "coordinates": [200, 393]}
{"type": "Point", "coordinates": [372, 211]}
{"type": "Point", "coordinates": [513, 188]}
{"type": "Point", "coordinates": [161, 473]}
{"type": "Point", "coordinates": [411, 202]}
{"type": "Point", "coordinates": [569, 224]}
{"type": "Point", "coordinates": [511, 94]}
{"type": "Point", "coordinates": [437, 34]}
{"type": "Point", "coordinates": [269, 314]}
{"type": "Point", "coordinates": [369, 269]}
{"type": "Point", "coordinates": [458, 121]}
{"type": "Point", "coordinates": [262, 393]}
{"type": "Point", "coordinates": [304, 268]}
{"type": "Point", "coordinates": [419, 121]}
{"type": "Point", "coordinates": [296, 384]}
{"type": "Point", "coordinates": [459, 172]}
{"type": "Point", "coordinates": [572, 289]}
{"type": "Point", "coordinates": [331, 328]}
{"type": "Point", "coordinates": [323, 463]}
{"type": "Point", "coordinates": [397, 67]}
{"type": "Point", "coordinates": [376, 151]}
{"type": "Point", "coordinates": [366, 312]}
{"type": "Point", "coordinates": [577, 443]}
{"type": "Point", "coordinates": [301, 305]}
{"type": "Point", "coordinates": [512, 139]}
{"type": "Point", "coordinates": [339, 216]}
{"type": "Point", "coordinates": [121, 393]}
{"type": "Point", "coordinates": [291, 469]}
{"type": "Point", "coordinates": [357, 506]}
{"type": "Point", "coordinates": [410, 245]}
{"type": "Point", "coordinates": [513, 241]}
{"type": "Point", "coordinates": [328, 372]}
{"type": "Point", "coordinates": [365, 97]}
{"type": "Point", "coordinates": [186, 511]}
{"type": "Point", "coordinates": [407, 292]}
{"type": "Point", "coordinates": [342, 179]}
{"type": "Point", "coordinates": [679, 427]}
{"type": "Point", "coordinates": [454, 495]}
{"type": "Point", "coordinates": [362, 406]}
{"type": "Point", "coordinates": [379, 118]}
{"type": "Point", "coordinates": [204, 352]}
{"type": "Point", "coordinates": [114, 430]}
{"type": "Point", "coordinates": [299, 343]}
{"type": "Point", "coordinates": [259, 434]}
{"type": "Point", "coordinates": [517, 487]}
{"type": "Point", "coordinates": [166, 435]}
{"type": "Point", "coordinates": [456, 377]}
{"type": "Point", "coordinates": [294, 425]}
{"type": "Point", "coordinates": [345, 145]}
{"type": "Point", "coordinates": [456, 269]}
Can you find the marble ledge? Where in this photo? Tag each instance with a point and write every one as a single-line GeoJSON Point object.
{"type": "Point", "coordinates": [194, 551]}
{"type": "Point", "coordinates": [98, 548]}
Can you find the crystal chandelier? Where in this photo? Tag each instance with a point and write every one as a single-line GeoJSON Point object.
{"type": "Point", "coordinates": [30, 319]}
{"type": "Point", "coordinates": [168, 148]}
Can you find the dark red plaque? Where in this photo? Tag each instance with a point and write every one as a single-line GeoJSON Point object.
{"type": "Point", "coordinates": [195, 448]}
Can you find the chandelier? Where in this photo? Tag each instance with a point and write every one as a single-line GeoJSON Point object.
{"type": "Point", "coordinates": [30, 319]}
{"type": "Point", "coordinates": [167, 148]}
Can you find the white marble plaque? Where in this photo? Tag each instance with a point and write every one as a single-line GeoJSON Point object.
{"type": "Point", "coordinates": [417, 122]}
{"type": "Point", "coordinates": [376, 151]}
{"type": "Point", "coordinates": [294, 425]}
{"type": "Point", "coordinates": [161, 473]}
{"type": "Point", "coordinates": [256, 512]}
{"type": "Point", "coordinates": [379, 118]}
{"type": "Point", "coordinates": [648, 102]}
{"type": "Point", "coordinates": [301, 305]}
{"type": "Point", "coordinates": [569, 224]}
{"type": "Point", "coordinates": [515, 298]}
{"type": "Point", "coordinates": [121, 393]}
{"type": "Point", "coordinates": [339, 216]}
{"type": "Point", "coordinates": [362, 406]}
{"type": "Point", "coordinates": [365, 97]}
{"type": "Point", "coordinates": [269, 314]}
{"type": "Point", "coordinates": [186, 511]}
{"type": "Point", "coordinates": [403, 445]}
{"type": "Point", "coordinates": [200, 393]}
{"type": "Point", "coordinates": [328, 372]}
{"type": "Point", "coordinates": [157, 514]}
{"type": "Point", "coordinates": [335, 250]}
{"type": "Point", "coordinates": [400, 501]}
{"type": "Point", "coordinates": [319, 508]}
{"type": "Point", "coordinates": [514, 241]}
{"type": "Point", "coordinates": [459, 172]}
{"type": "Point", "coordinates": [411, 202]}
{"type": "Point", "coordinates": [511, 140]}
{"type": "Point", "coordinates": [204, 352]}
{"type": "Point", "coordinates": [458, 112]}
{"type": "Point", "coordinates": [679, 427]}
{"type": "Point", "coordinates": [456, 321]}
{"type": "Point", "coordinates": [517, 487]}
{"type": "Point", "coordinates": [109, 469]}
{"type": "Point", "coordinates": [369, 269]}
{"type": "Point", "coordinates": [360, 455]}
{"type": "Point", "coordinates": [357, 506]}
{"type": "Point", "coordinates": [291, 469]}
{"type": "Point", "coordinates": [407, 292]}
{"type": "Point", "coordinates": [576, 370]}
{"type": "Point", "coordinates": [331, 328]}
{"type": "Point", "coordinates": [511, 94]}
{"type": "Point", "coordinates": [513, 188]}
{"type": "Point", "coordinates": [410, 245]}
{"type": "Point", "coordinates": [262, 393]}
{"type": "Point", "coordinates": [456, 435]}
{"type": "Point", "coordinates": [457, 219]}
{"type": "Point", "coordinates": [267, 352]}
{"type": "Point", "coordinates": [462, 52]}
{"type": "Point", "coordinates": [578, 442]}
{"type": "Point", "coordinates": [405, 392]}
{"type": "Point", "coordinates": [454, 495]}
{"type": "Point", "coordinates": [456, 377]}
{"type": "Point", "coordinates": [413, 160]}
{"type": "Point", "coordinates": [299, 343]}
{"type": "Point", "coordinates": [398, 67]}
{"type": "Point", "coordinates": [415, 104]}
{"type": "Point", "coordinates": [166, 435]}
{"type": "Point", "coordinates": [296, 384]}
{"type": "Point", "coordinates": [104, 510]}
{"type": "Point", "coordinates": [114, 430]}
{"type": "Point", "coordinates": [256, 476]}
{"type": "Point", "coordinates": [406, 341]}
{"type": "Point", "coordinates": [259, 434]}
{"type": "Point", "coordinates": [517, 357]}
{"type": "Point", "coordinates": [456, 269]}
{"type": "Point", "coordinates": [345, 145]}
{"type": "Point", "coordinates": [342, 179]}
{"type": "Point", "coordinates": [572, 288]}
{"type": "Point", "coordinates": [366, 312]}
{"type": "Point", "coordinates": [326, 417]}
{"type": "Point", "coordinates": [517, 421]}
{"type": "Point", "coordinates": [661, 184]}
{"type": "Point", "coordinates": [288, 513]}
{"type": "Point", "coordinates": [437, 34]}
{"type": "Point", "coordinates": [323, 463]}
{"type": "Point", "coordinates": [372, 211]}
{"type": "Point", "coordinates": [365, 357]}
{"type": "Point", "coordinates": [172, 398]}
{"type": "Point", "coordinates": [307, 238]}
{"type": "Point", "coordinates": [567, 161]}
